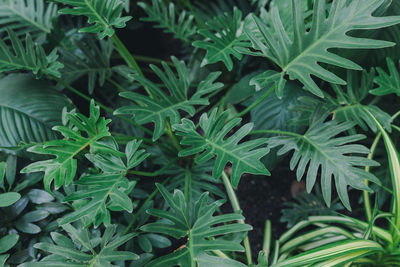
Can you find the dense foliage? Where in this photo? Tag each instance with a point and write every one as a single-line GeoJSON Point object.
{"type": "Point", "coordinates": [107, 162]}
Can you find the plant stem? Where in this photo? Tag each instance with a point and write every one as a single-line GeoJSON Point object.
{"type": "Point", "coordinates": [257, 102]}
{"type": "Point", "coordinates": [267, 238]}
{"type": "Point", "coordinates": [119, 87]}
{"type": "Point", "coordinates": [141, 209]}
{"type": "Point", "coordinates": [188, 189]}
{"type": "Point", "coordinates": [126, 55]}
{"type": "Point", "coordinates": [236, 208]}
{"type": "Point", "coordinates": [173, 138]}
{"type": "Point", "coordinates": [151, 60]}
{"type": "Point", "coordinates": [107, 109]}
{"type": "Point", "coordinates": [275, 132]}
{"type": "Point", "coordinates": [367, 201]}
{"type": "Point", "coordinates": [155, 173]}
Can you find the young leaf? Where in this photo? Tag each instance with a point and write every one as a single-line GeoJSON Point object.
{"type": "Point", "coordinates": [31, 58]}
{"type": "Point", "coordinates": [222, 35]}
{"type": "Point", "coordinates": [85, 132]}
{"type": "Point", "coordinates": [164, 106]}
{"type": "Point", "coordinates": [182, 27]}
{"type": "Point", "coordinates": [78, 250]}
{"type": "Point", "coordinates": [27, 16]}
{"type": "Point", "coordinates": [105, 15]}
{"type": "Point", "coordinates": [336, 157]}
{"type": "Point", "coordinates": [299, 57]}
{"type": "Point", "coordinates": [28, 121]}
{"type": "Point", "coordinates": [204, 231]}
{"type": "Point", "coordinates": [387, 84]}
{"type": "Point", "coordinates": [244, 157]}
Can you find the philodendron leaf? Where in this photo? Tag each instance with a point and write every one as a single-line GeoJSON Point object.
{"type": "Point", "coordinates": [181, 26]}
{"type": "Point", "coordinates": [104, 15]}
{"type": "Point", "coordinates": [336, 157]}
{"type": "Point", "coordinates": [27, 16]}
{"type": "Point", "coordinates": [203, 230]}
{"type": "Point", "coordinates": [83, 132]}
{"type": "Point", "coordinates": [162, 105]}
{"type": "Point", "coordinates": [300, 55]}
{"type": "Point", "coordinates": [107, 191]}
{"type": "Point", "coordinates": [388, 83]}
{"type": "Point", "coordinates": [222, 35]}
{"type": "Point", "coordinates": [244, 157]}
{"type": "Point", "coordinates": [78, 250]}
{"type": "Point", "coordinates": [32, 57]}
{"type": "Point", "coordinates": [29, 121]}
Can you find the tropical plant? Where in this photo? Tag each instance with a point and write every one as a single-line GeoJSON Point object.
{"type": "Point", "coordinates": [111, 156]}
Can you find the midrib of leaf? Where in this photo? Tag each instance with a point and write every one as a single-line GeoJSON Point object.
{"type": "Point", "coordinates": [320, 40]}
{"type": "Point", "coordinates": [190, 248]}
{"type": "Point", "coordinates": [308, 140]}
{"type": "Point", "coordinates": [227, 152]}
{"type": "Point", "coordinates": [88, 4]}
{"type": "Point", "coordinates": [230, 45]}
{"type": "Point", "coordinates": [86, 69]}
{"type": "Point", "coordinates": [159, 112]}
{"type": "Point", "coordinates": [12, 63]}
{"type": "Point", "coordinates": [34, 23]}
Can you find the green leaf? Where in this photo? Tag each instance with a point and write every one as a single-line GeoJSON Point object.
{"type": "Point", "coordinates": [163, 105]}
{"type": "Point", "coordinates": [331, 252]}
{"type": "Point", "coordinates": [88, 58]}
{"type": "Point", "coordinates": [9, 198]}
{"type": "Point", "coordinates": [27, 16]}
{"type": "Point", "coordinates": [299, 56]}
{"type": "Point", "coordinates": [108, 190]}
{"type": "Point", "coordinates": [182, 26]}
{"type": "Point", "coordinates": [38, 196]}
{"type": "Point", "coordinates": [105, 15]}
{"type": "Point", "coordinates": [336, 157]}
{"type": "Point", "coordinates": [387, 83]}
{"type": "Point", "coordinates": [348, 104]}
{"type": "Point", "coordinates": [244, 157]}
{"type": "Point", "coordinates": [66, 249]}
{"type": "Point", "coordinates": [204, 231]}
{"type": "Point", "coordinates": [32, 57]}
{"type": "Point", "coordinates": [100, 189]}
{"type": "Point", "coordinates": [3, 166]}
{"type": "Point", "coordinates": [7, 242]}
{"type": "Point", "coordinates": [28, 121]}
{"type": "Point", "coordinates": [305, 205]}
{"type": "Point", "coordinates": [83, 132]}
{"type": "Point", "coordinates": [222, 35]}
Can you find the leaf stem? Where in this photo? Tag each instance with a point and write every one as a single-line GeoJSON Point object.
{"type": "Point", "coordinates": [151, 60]}
{"type": "Point", "coordinates": [267, 238]}
{"type": "Point", "coordinates": [367, 201]}
{"type": "Point", "coordinates": [126, 55]}
{"type": "Point", "coordinates": [141, 209]}
{"type": "Point", "coordinates": [155, 173]}
{"type": "Point", "coordinates": [119, 87]}
{"type": "Point", "coordinates": [173, 138]}
{"type": "Point", "coordinates": [257, 102]}
{"type": "Point", "coordinates": [107, 109]}
{"type": "Point", "coordinates": [236, 208]}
